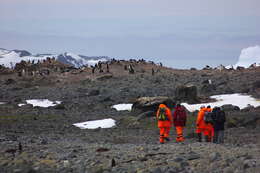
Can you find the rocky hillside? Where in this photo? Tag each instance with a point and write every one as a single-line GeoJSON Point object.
{"type": "Point", "coordinates": [38, 139]}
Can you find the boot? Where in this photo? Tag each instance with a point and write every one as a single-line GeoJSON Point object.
{"type": "Point", "coordinates": [199, 137]}
{"type": "Point", "coordinates": [167, 139]}
{"type": "Point", "coordinates": [208, 139]}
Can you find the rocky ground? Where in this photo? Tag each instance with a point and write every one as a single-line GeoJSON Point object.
{"type": "Point", "coordinates": [35, 139]}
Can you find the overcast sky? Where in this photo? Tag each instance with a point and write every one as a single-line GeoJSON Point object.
{"type": "Point", "coordinates": [183, 34]}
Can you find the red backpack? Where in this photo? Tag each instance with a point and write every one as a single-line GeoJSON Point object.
{"type": "Point", "coordinates": [181, 115]}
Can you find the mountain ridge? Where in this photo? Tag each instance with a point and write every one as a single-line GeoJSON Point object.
{"type": "Point", "coordinates": [9, 58]}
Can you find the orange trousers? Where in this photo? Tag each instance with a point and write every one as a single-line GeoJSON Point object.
{"type": "Point", "coordinates": [200, 130]}
{"type": "Point", "coordinates": [164, 133]}
{"type": "Point", "coordinates": [209, 132]}
{"type": "Point", "coordinates": [179, 132]}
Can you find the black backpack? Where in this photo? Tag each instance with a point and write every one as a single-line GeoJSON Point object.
{"type": "Point", "coordinates": [162, 114]}
{"type": "Point", "coordinates": [221, 118]}
{"type": "Point", "coordinates": [208, 117]}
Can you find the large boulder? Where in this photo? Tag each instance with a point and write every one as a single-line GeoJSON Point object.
{"type": "Point", "coordinates": [187, 93]}
{"type": "Point", "coordinates": [144, 104]}
{"type": "Point", "coordinates": [243, 119]}
{"type": "Point", "coordinates": [230, 107]}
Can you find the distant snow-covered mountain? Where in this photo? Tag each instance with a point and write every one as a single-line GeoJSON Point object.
{"type": "Point", "coordinates": [9, 58]}
{"type": "Point", "coordinates": [80, 60]}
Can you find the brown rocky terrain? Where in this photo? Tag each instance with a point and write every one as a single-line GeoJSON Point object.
{"type": "Point", "coordinates": [36, 139]}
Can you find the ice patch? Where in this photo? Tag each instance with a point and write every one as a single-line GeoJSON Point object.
{"type": "Point", "coordinates": [240, 100]}
{"type": "Point", "coordinates": [104, 123]}
{"type": "Point", "coordinates": [42, 102]}
{"type": "Point", "coordinates": [123, 107]}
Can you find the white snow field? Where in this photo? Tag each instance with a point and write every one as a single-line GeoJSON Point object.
{"type": "Point", "coordinates": [78, 61]}
{"type": "Point", "coordinates": [123, 107]}
{"type": "Point", "coordinates": [42, 103]}
{"type": "Point", "coordinates": [104, 123]}
{"type": "Point", "coordinates": [240, 100]}
{"type": "Point", "coordinates": [10, 58]}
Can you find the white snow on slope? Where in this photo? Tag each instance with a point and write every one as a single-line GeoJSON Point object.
{"type": "Point", "coordinates": [74, 56]}
{"type": "Point", "coordinates": [123, 107]}
{"type": "Point", "coordinates": [78, 61]}
{"type": "Point", "coordinates": [8, 57]}
{"type": "Point", "coordinates": [3, 52]}
{"type": "Point", "coordinates": [93, 62]}
{"type": "Point", "coordinates": [42, 102]}
{"type": "Point", "coordinates": [240, 100]}
{"type": "Point", "coordinates": [104, 123]}
{"type": "Point", "coordinates": [12, 57]}
{"type": "Point", "coordinates": [249, 56]}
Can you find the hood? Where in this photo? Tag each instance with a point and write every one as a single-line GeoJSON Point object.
{"type": "Point", "coordinates": [162, 106]}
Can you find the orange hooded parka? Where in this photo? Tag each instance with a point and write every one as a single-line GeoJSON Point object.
{"type": "Point", "coordinates": [166, 123]}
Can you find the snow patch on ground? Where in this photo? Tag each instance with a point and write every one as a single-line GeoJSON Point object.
{"type": "Point", "coordinates": [249, 56]}
{"type": "Point", "coordinates": [123, 107]}
{"type": "Point", "coordinates": [92, 62]}
{"type": "Point", "coordinates": [42, 102]}
{"type": "Point", "coordinates": [240, 100]}
{"type": "Point", "coordinates": [104, 123]}
{"type": "Point", "coordinates": [229, 67]}
{"type": "Point", "coordinates": [1, 103]}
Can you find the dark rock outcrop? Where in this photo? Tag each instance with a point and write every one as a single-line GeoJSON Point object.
{"type": "Point", "coordinates": [10, 81]}
{"type": "Point", "coordinates": [187, 93]}
{"type": "Point", "coordinates": [208, 89]}
{"type": "Point", "coordinates": [243, 119]}
{"type": "Point", "coordinates": [145, 104]}
{"type": "Point", "coordinates": [230, 107]}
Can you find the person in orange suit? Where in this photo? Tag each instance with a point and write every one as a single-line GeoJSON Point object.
{"type": "Point", "coordinates": [179, 121]}
{"type": "Point", "coordinates": [200, 123]}
{"type": "Point", "coordinates": [164, 118]}
{"type": "Point", "coordinates": [209, 130]}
